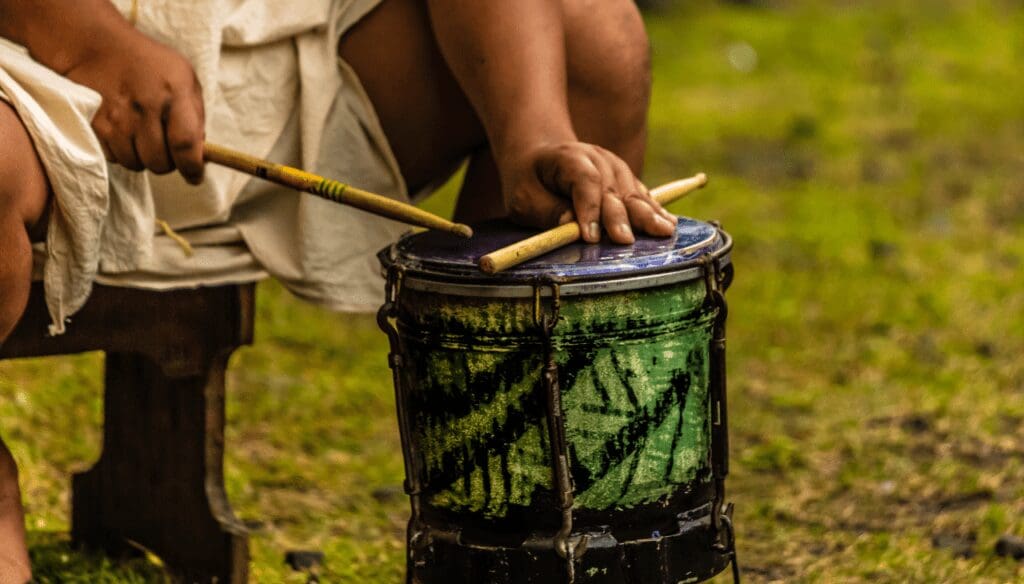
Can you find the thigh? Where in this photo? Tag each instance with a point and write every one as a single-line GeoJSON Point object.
{"type": "Point", "coordinates": [23, 198]}
{"type": "Point", "coordinates": [428, 120]}
{"type": "Point", "coordinates": [24, 189]}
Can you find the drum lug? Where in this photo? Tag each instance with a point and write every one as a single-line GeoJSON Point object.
{"type": "Point", "coordinates": [715, 280]}
{"type": "Point", "coordinates": [386, 317]}
{"type": "Point", "coordinates": [563, 542]}
{"type": "Point", "coordinates": [729, 546]}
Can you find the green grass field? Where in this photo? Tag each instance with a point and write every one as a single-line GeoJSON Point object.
{"type": "Point", "coordinates": [868, 157]}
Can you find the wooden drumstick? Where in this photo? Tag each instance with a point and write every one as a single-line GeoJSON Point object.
{"type": "Point", "coordinates": [552, 239]}
{"type": "Point", "coordinates": [331, 190]}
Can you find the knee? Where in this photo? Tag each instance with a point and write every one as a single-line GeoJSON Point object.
{"type": "Point", "coordinates": [24, 193]}
{"type": "Point", "coordinates": [15, 275]}
{"type": "Point", "coordinates": [609, 60]}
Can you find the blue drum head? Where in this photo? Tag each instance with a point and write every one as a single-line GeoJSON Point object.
{"type": "Point", "coordinates": [435, 254]}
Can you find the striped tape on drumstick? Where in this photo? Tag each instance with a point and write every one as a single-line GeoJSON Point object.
{"type": "Point", "coordinates": [563, 235]}
{"type": "Point", "coordinates": [331, 190]}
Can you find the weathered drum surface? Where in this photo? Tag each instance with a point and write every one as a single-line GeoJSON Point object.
{"type": "Point", "coordinates": [563, 421]}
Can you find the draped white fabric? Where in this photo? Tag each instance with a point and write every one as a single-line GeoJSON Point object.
{"type": "Point", "coordinates": [274, 87]}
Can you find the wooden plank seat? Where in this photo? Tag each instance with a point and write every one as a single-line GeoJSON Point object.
{"type": "Point", "coordinates": [159, 481]}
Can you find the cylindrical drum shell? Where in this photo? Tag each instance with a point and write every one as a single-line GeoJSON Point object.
{"type": "Point", "coordinates": [633, 368]}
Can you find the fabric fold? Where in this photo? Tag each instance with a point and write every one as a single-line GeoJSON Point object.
{"type": "Point", "coordinates": [56, 113]}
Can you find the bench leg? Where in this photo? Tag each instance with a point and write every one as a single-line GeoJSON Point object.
{"type": "Point", "coordinates": [159, 482]}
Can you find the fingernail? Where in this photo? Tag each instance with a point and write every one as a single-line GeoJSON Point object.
{"type": "Point", "coordinates": [625, 230]}
{"type": "Point", "coordinates": [594, 230]}
{"type": "Point", "coordinates": [668, 223]}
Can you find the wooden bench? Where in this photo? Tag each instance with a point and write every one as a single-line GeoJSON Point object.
{"type": "Point", "coordinates": [159, 481]}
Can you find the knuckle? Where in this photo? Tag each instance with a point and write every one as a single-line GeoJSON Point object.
{"type": "Point", "coordinates": [121, 120]}
{"type": "Point", "coordinates": [185, 83]}
{"type": "Point", "coordinates": [634, 197]}
{"type": "Point", "coordinates": [565, 149]}
{"type": "Point", "coordinates": [157, 103]}
{"type": "Point", "coordinates": [180, 74]}
{"type": "Point", "coordinates": [588, 172]}
{"type": "Point", "coordinates": [619, 166]}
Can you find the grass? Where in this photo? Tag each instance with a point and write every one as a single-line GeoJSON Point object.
{"type": "Point", "coordinates": [869, 159]}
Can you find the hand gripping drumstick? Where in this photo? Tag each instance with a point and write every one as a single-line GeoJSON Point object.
{"type": "Point", "coordinates": [331, 190]}
{"type": "Point", "coordinates": [552, 239]}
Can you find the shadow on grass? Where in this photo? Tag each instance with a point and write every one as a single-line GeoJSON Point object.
{"type": "Point", "coordinates": [56, 561]}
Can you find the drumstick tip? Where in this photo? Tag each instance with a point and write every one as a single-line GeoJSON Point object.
{"type": "Point", "coordinates": [463, 230]}
{"type": "Point", "coordinates": [702, 178]}
{"type": "Point", "coordinates": [488, 265]}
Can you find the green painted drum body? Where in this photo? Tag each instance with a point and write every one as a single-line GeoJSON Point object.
{"type": "Point", "coordinates": [599, 356]}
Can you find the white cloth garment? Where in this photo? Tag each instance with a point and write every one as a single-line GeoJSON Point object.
{"type": "Point", "coordinates": [273, 87]}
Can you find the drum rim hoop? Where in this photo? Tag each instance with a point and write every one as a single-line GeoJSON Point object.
{"type": "Point", "coordinates": [573, 286]}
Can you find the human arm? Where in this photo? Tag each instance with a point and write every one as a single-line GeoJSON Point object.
{"type": "Point", "coordinates": [152, 111]}
{"type": "Point", "coordinates": [510, 59]}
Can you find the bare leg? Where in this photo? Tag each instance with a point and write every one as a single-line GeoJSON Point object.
{"type": "Point", "coordinates": [431, 125]}
{"type": "Point", "coordinates": [428, 121]}
{"type": "Point", "coordinates": [14, 564]}
{"type": "Point", "coordinates": [609, 92]}
{"type": "Point", "coordinates": [23, 198]}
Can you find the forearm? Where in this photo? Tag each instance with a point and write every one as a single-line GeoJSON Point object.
{"type": "Point", "coordinates": [509, 58]}
{"type": "Point", "coordinates": [58, 33]}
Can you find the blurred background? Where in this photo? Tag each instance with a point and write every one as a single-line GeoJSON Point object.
{"type": "Point", "coordinates": [868, 158]}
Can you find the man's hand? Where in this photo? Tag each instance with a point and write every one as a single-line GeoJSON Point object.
{"type": "Point", "coordinates": [152, 114]}
{"type": "Point", "coordinates": [509, 57]}
{"type": "Point", "coordinates": [544, 187]}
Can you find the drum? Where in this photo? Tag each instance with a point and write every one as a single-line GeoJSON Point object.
{"type": "Point", "coordinates": [564, 421]}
